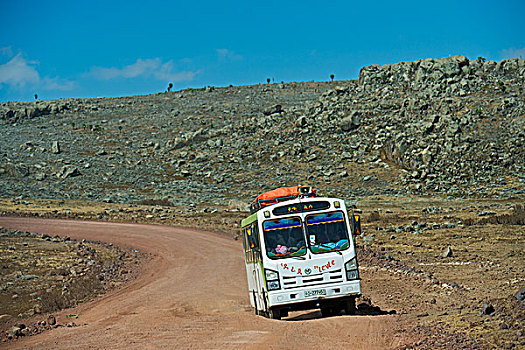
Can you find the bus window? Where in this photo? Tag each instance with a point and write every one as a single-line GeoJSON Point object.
{"type": "Point", "coordinates": [327, 232]}
{"type": "Point", "coordinates": [244, 239]}
{"type": "Point", "coordinates": [246, 245]}
{"type": "Point", "coordinates": [284, 238]}
{"type": "Point", "coordinates": [256, 245]}
{"type": "Point", "coordinates": [253, 237]}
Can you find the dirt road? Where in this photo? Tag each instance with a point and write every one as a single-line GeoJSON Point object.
{"type": "Point", "coordinates": [191, 294]}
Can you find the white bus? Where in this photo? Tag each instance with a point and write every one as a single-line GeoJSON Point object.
{"type": "Point", "coordinates": [299, 253]}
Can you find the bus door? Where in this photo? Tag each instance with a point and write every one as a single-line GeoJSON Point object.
{"type": "Point", "coordinates": [258, 293]}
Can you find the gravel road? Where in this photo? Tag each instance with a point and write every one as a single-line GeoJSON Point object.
{"type": "Point", "coordinates": [191, 294]}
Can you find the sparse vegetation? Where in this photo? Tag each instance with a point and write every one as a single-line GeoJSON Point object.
{"type": "Point", "coordinates": [43, 274]}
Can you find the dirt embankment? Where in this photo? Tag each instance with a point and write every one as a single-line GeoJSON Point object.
{"type": "Point", "coordinates": [42, 274]}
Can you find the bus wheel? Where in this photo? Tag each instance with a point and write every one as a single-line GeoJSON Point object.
{"type": "Point", "coordinates": [255, 303]}
{"type": "Point", "coordinates": [274, 314]}
{"type": "Point", "coordinates": [327, 311]}
{"type": "Point", "coordinates": [349, 306]}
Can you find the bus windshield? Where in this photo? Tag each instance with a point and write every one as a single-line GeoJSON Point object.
{"type": "Point", "coordinates": [284, 238]}
{"type": "Point", "coordinates": [327, 232]}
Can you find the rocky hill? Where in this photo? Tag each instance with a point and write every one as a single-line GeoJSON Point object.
{"type": "Point", "coordinates": [448, 126]}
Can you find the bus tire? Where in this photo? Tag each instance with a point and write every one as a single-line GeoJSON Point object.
{"type": "Point", "coordinates": [327, 311]}
{"type": "Point", "coordinates": [274, 314]}
{"type": "Point", "coordinates": [349, 306]}
{"type": "Point", "coordinates": [255, 303]}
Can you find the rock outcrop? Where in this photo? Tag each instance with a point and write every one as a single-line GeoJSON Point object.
{"type": "Point", "coordinates": [435, 126]}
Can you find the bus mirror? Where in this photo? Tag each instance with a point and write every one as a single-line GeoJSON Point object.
{"type": "Point", "coordinates": [356, 224]}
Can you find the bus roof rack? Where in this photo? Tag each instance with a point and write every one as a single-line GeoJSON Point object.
{"type": "Point", "coordinates": [281, 195]}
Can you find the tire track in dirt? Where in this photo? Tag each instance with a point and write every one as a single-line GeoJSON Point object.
{"type": "Point", "coordinates": [190, 294]}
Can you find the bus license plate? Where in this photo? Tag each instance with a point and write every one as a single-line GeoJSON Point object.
{"type": "Point", "coordinates": [313, 293]}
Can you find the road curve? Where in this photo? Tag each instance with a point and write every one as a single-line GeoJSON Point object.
{"type": "Point", "coordinates": [191, 294]}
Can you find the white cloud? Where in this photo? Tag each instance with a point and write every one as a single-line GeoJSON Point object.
{"type": "Point", "coordinates": [513, 53]}
{"type": "Point", "coordinates": [166, 72]}
{"type": "Point", "coordinates": [225, 54]}
{"type": "Point", "coordinates": [56, 84]}
{"type": "Point", "coordinates": [18, 72]}
{"type": "Point", "coordinates": [143, 68]}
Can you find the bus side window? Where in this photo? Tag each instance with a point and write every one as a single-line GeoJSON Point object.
{"type": "Point", "coordinates": [246, 242]}
{"type": "Point", "coordinates": [253, 239]}
{"type": "Point", "coordinates": [256, 245]}
{"type": "Point", "coordinates": [255, 236]}
{"type": "Point", "coordinates": [243, 233]}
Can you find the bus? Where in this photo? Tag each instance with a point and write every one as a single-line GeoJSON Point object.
{"type": "Point", "coordinates": [300, 254]}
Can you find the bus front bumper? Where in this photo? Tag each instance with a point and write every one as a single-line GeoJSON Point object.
{"type": "Point", "coordinates": [314, 294]}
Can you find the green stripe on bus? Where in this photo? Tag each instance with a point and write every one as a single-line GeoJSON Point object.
{"type": "Point", "coordinates": [249, 220]}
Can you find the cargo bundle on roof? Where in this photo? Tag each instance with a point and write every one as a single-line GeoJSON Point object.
{"type": "Point", "coordinates": [280, 195]}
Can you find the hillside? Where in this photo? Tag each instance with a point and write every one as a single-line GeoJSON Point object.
{"type": "Point", "coordinates": [449, 126]}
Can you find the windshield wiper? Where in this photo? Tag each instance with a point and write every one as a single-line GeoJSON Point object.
{"type": "Point", "coordinates": [298, 257]}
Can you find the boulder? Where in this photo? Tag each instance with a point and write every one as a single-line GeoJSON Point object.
{"type": "Point", "coordinates": [520, 295]}
{"type": "Point", "coordinates": [488, 309]}
{"type": "Point", "coordinates": [273, 109]}
{"type": "Point", "coordinates": [350, 122]}
{"type": "Point", "coordinates": [447, 253]}
{"type": "Point", "coordinates": [68, 171]}
{"type": "Point", "coordinates": [51, 320]}
{"type": "Point", "coordinates": [55, 147]}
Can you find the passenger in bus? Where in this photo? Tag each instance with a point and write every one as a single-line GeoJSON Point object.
{"type": "Point", "coordinates": [281, 249]}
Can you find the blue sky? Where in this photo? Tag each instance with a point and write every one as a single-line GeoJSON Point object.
{"type": "Point", "coordinates": [61, 49]}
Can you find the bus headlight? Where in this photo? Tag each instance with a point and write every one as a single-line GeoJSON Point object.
{"type": "Point", "coordinates": [271, 275]}
{"type": "Point", "coordinates": [272, 280]}
{"type": "Point", "coordinates": [352, 275]}
{"type": "Point", "coordinates": [273, 285]}
{"type": "Point", "coordinates": [351, 269]}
